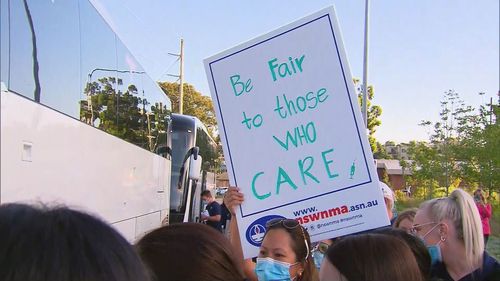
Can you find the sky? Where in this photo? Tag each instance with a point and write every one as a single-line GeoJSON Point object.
{"type": "Point", "coordinates": [417, 49]}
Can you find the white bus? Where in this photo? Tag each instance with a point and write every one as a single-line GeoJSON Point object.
{"type": "Point", "coordinates": [81, 122]}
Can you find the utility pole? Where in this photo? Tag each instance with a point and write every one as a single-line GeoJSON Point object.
{"type": "Point", "coordinates": [365, 64]}
{"type": "Point", "coordinates": [181, 75]}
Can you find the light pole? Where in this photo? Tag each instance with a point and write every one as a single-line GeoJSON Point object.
{"type": "Point", "coordinates": [365, 63]}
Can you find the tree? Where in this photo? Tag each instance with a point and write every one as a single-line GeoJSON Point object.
{"type": "Point", "coordinates": [464, 149]}
{"type": "Point", "coordinates": [373, 113]}
{"type": "Point", "coordinates": [425, 167]}
{"type": "Point", "coordinates": [446, 137]}
{"type": "Point", "coordinates": [479, 152]}
{"type": "Point", "coordinates": [123, 114]}
{"type": "Point", "coordinates": [194, 104]}
{"type": "Point", "coordinates": [381, 152]}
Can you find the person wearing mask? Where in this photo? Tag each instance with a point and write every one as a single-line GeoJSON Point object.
{"type": "Point", "coordinates": [189, 251]}
{"type": "Point", "coordinates": [319, 250]}
{"type": "Point", "coordinates": [285, 252]}
{"type": "Point", "coordinates": [484, 212]}
{"type": "Point", "coordinates": [452, 231]}
{"type": "Point", "coordinates": [40, 243]}
{"type": "Point", "coordinates": [213, 208]}
{"type": "Point", "coordinates": [368, 257]}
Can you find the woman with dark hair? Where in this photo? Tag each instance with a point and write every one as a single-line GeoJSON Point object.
{"type": "Point", "coordinates": [285, 252]}
{"type": "Point", "coordinates": [283, 235]}
{"type": "Point", "coordinates": [60, 244]}
{"type": "Point", "coordinates": [189, 251]}
{"type": "Point", "coordinates": [370, 256]}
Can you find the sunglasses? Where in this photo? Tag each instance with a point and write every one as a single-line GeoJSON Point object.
{"type": "Point", "coordinates": [321, 247]}
{"type": "Point", "coordinates": [289, 224]}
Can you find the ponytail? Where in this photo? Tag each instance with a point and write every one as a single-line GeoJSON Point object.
{"type": "Point", "coordinates": [470, 230]}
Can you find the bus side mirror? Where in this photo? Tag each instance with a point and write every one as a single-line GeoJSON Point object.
{"type": "Point", "coordinates": [195, 165]}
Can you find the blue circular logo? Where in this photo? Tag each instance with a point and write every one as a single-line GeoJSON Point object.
{"type": "Point", "coordinates": [256, 230]}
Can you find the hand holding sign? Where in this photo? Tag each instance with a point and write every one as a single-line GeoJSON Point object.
{"type": "Point", "coordinates": [292, 132]}
{"type": "Point", "coordinates": [233, 198]}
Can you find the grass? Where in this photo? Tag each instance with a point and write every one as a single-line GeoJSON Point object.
{"type": "Point", "coordinates": [493, 246]}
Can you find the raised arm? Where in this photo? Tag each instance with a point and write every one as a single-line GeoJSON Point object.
{"type": "Point", "coordinates": [232, 199]}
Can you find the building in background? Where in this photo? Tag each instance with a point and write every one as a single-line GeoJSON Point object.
{"type": "Point", "coordinates": [394, 174]}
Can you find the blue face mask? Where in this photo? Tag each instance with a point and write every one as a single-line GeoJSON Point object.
{"type": "Point", "coordinates": [435, 253]}
{"type": "Point", "coordinates": [318, 258]}
{"type": "Point", "coordinates": [268, 269]}
{"type": "Point", "coordinates": [434, 250]}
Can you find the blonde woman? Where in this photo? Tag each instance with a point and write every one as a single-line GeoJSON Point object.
{"type": "Point", "coordinates": [452, 231]}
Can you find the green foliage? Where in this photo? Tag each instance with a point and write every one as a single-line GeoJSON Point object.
{"type": "Point", "coordinates": [479, 150]}
{"type": "Point", "coordinates": [126, 115]}
{"type": "Point", "coordinates": [381, 152]}
{"type": "Point", "coordinates": [373, 114]}
{"type": "Point", "coordinates": [208, 150]}
{"type": "Point", "coordinates": [200, 106]}
{"type": "Point", "coordinates": [424, 167]}
{"type": "Point", "coordinates": [404, 203]}
{"type": "Point", "coordinates": [464, 149]}
{"type": "Point", "coordinates": [194, 104]}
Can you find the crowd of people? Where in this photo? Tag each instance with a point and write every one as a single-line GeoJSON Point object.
{"type": "Point", "coordinates": [441, 240]}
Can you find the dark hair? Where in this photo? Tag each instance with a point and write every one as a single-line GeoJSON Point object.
{"type": "Point", "coordinates": [206, 193]}
{"type": "Point", "coordinates": [406, 214]}
{"type": "Point", "coordinates": [373, 256]}
{"type": "Point", "coordinates": [298, 234]}
{"type": "Point", "coordinates": [416, 245]}
{"type": "Point", "coordinates": [189, 251]}
{"type": "Point", "coordinates": [60, 244]}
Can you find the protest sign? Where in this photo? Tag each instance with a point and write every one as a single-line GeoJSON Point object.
{"type": "Point", "coordinates": [292, 132]}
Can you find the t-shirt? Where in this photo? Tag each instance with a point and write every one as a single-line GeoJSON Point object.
{"type": "Point", "coordinates": [214, 210]}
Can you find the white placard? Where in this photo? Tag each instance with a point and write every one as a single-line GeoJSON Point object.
{"type": "Point", "coordinates": [292, 132]}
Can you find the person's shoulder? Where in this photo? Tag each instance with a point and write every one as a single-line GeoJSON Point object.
{"type": "Point", "coordinates": [489, 261]}
{"type": "Point", "coordinates": [215, 206]}
{"type": "Point", "coordinates": [491, 268]}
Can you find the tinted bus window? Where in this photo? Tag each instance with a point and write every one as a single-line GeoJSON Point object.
{"type": "Point", "coordinates": [4, 44]}
{"type": "Point", "coordinates": [65, 56]}
{"type": "Point", "coordinates": [21, 76]}
{"type": "Point", "coordinates": [182, 142]}
{"type": "Point", "coordinates": [58, 45]}
{"type": "Point", "coordinates": [98, 70]}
